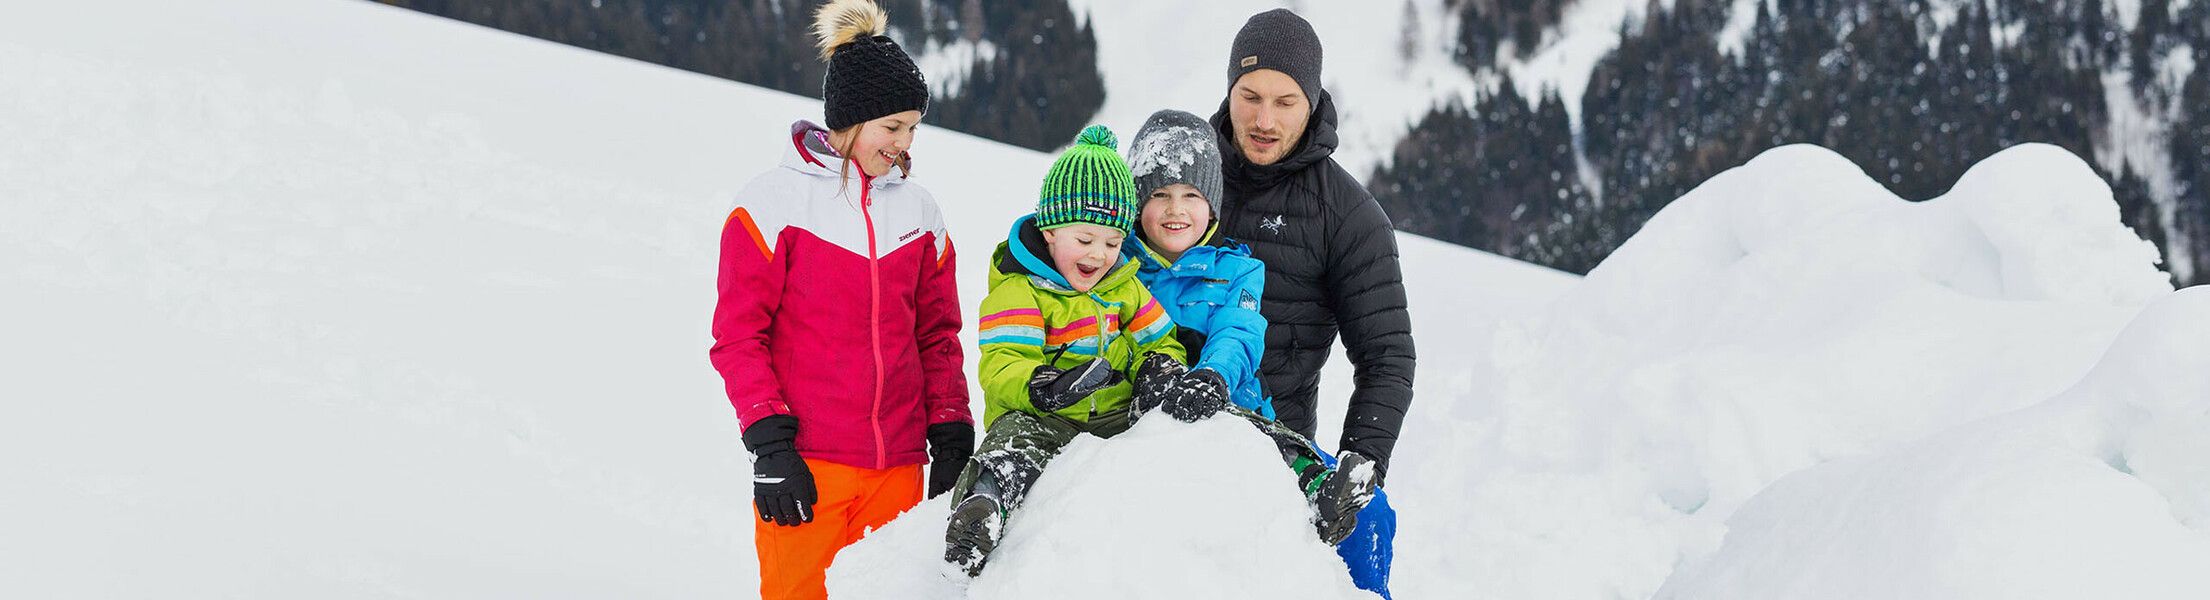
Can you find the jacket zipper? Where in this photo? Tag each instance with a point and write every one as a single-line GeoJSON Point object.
{"type": "Point", "coordinates": [874, 319]}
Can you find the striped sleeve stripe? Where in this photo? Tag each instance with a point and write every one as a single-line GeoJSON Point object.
{"type": "Point", "coordinates": [1011, 334]}
{"type": "Point", "coordinates": [742, 217]}
{"type": "Point", "coordinates": [1083, 328]}
{"type": "Point", "coordinates": [1017, 312]}
{"type": "Point", "coordinates": [1070, 336]}
{"type": "Point", "coordinates": [1013, 317]}
{"type": "Point", "coordinates": [1151, 323]}
{"type": "Point", "coordinates": [1149, 314]}
{"type": "Point", "coordinates": [1032, 320]}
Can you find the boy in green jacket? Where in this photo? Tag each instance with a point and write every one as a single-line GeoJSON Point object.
{"type": "Point", "coordinates": [1066, 330]}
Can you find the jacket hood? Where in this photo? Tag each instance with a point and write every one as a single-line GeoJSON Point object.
{"type": "Point", "coordinates": [808, 151]}
{"type": "Point", "coordinates": [1024, 254]}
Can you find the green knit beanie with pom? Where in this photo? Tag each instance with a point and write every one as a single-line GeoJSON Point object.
{"type": "Point", "coordinates": [1089, 184]}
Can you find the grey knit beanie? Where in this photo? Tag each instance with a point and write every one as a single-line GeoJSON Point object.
{"type": "Point", "coordinates": [1176, 147]}
{"type": "Point", "coordinates": [1279, 40]}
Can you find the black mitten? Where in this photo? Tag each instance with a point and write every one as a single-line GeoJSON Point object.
{"type": "Point", "coordinates": [1194, 395]}
{"type": "Point", "coordinates": [1053, 389]}
{"type": "Point", "coordinates": [1152, 377]}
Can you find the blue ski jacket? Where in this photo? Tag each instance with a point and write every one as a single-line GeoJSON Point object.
{"type": "Point", "coordinates": [1212, 293]}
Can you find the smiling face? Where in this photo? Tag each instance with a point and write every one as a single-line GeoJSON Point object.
{"type": "Point", "coordinates": [1175, 218]}
{"type": "Point", "coordinates": [1269, 112]}
{"type": "Point", "coordinates": [877, 145]}
{"type": "Point", "coordinates": [1083, 253]}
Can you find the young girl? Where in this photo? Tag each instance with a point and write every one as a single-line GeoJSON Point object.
{"type": "Point", "coordinates": [836, 329]}
{"type": "Point", "coordinates": [1211, 286]}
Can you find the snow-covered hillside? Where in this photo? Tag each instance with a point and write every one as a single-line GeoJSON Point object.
{"type": "Point", "coordinates": [321, 298]}
{"type": "Point", "coordinates": [331, 299]}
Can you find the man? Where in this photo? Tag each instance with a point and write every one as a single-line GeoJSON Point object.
{"type": "Point", "coordinates": [1330, 253]}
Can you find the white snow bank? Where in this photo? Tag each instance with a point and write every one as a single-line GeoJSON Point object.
{"type": "Point", "coordinates": [1786, 313]}
{"type": "Point", "coordinates": [2090, 495]}
{"type": "Point", "coordinates": [1166, 510]}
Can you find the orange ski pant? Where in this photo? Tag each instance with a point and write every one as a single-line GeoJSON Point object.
{"type": "Point", "coordinates": [795, 560]}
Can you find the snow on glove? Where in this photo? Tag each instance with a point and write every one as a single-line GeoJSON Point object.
{"type": "Point", "coordinates": [1194, 395]}
{"type": "Point", "coordinates": [1376, 450]}
{"type": "Point", "coordinates": [1152, 377]}
{"type": "Point", "coordinates": [782, 486]}
{"type": "Point", "coordinates": [1053, 389]}
{"type": "Point", "coordinates": [950, 445]}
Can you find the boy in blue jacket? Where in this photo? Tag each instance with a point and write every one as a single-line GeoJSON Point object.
{"type": "Point", "coordinates": [1210, 286]}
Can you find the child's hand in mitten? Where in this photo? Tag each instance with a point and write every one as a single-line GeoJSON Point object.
{"type": "Point", "coordinates": [1053, 389]}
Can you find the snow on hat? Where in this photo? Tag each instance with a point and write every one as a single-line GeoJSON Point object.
{"type": "Point", "coordinates": [1176, 147]}
{"type": "Point", "coordinates": [1279, 40]}
{"type": "Point", "coordinates": [869, 75]}
{"type": "Point", "coordinates": [1088, 184]}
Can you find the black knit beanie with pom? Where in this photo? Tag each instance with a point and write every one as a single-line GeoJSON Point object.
{"type": "Point", "coordinates": [869, 75]}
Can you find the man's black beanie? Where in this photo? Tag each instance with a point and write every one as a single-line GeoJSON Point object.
{"type": "Point", "coordinates": [1279, 40]}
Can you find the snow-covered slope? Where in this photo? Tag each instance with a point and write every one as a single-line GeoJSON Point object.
{"type": "Point", "coordinates": [329, 299]}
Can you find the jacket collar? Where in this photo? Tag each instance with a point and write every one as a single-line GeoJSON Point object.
{"type": "Point", "coordinates": [1025, 254]}
{"type": "Point", "coordinates": [1203, 256]}
{"type": "Point", "coordinates": [808, 152]}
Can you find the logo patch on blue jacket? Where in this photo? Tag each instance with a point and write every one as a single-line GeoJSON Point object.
{"type": "Point", "coordinates": [1247, 301]}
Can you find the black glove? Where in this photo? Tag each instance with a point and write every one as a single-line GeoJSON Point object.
{"type": "Point", "coordinates": [1374, 449]}
{"type": "Point", "coordinates": [1152, 378]}
{"type": "Point", "coordinates": [950, 445]}
{"type": "Point", "coordinates": [782, 487]}
{"type": "Point", "coordinates": [1193, 395]}
{"type": "Point", "coordinates": [1052, 389]}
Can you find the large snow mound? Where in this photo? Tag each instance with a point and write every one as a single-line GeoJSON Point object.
{"type": "Point", "coordinates": [2098, 493]}
{"type": "Point", "coordinates": [1786, 313]}
{"type": "Point", "coordinates": [1165, 510]}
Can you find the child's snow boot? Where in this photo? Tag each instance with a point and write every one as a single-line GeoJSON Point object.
{"type": "Point", "coordinates": [974, 528]}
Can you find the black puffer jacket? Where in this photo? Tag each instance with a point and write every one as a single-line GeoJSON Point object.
{"type": "Point", "coordinates": [1331, 263]}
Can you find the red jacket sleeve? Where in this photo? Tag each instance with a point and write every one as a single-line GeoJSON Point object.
{"type": "Point", "coordinates": [943, 367]}
{"type": "Point", "coordinates": [751, 289]}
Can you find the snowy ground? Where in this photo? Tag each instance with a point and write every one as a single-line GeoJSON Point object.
{"type": "Point", "coordinates": [320, 298]}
